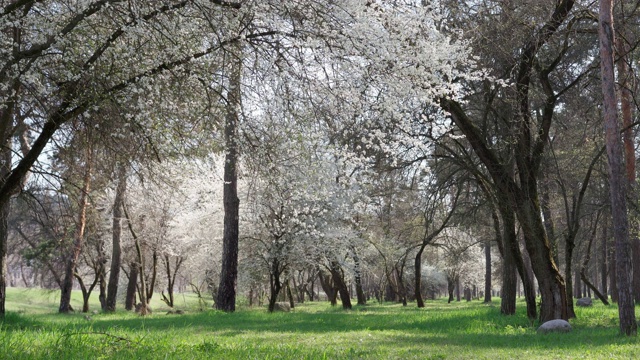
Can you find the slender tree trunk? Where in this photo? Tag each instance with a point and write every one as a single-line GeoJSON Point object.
{"type": "Point", "coordinates": [154, 275]}
{"type": "Point", "coordinates": [613, 289]}
{"type": "Point", "coordinates": [4, 217]}
{"type": "Point", "coordinates": [487, 272]}
{"type": "Point", "coordinates": [362, 300]}
{"type": "Point", "coordinates": [226, 297]}
{"type": "Point", "coordinates": [78, 243]}
{"type": "Point", "coordinates": [548, 219]}
{"type": "Point", "coordinates": [116, 235]}
{"type": "Point", "coordinates": [418, 277]}
{"type": "Point", "coordinates": [568, 260]}
{"type": "Point", "coordinates": [617, 183]}
{"type": "Point", "coordinates": [603, 260]}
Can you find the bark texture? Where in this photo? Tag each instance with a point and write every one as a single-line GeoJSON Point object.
{"type": "Point", "coordinates": [226, 297]}
{"type": "Point", "coordinates": [617, 182]}
{"type": "Point", "coordinates": [116, 234]}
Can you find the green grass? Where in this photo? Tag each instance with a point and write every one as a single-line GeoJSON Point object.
{"type": "Point", "coordinates": [33, 330]}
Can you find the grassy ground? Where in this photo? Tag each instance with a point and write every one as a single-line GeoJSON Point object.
{"type": "Point", "coordinates": [32, 330]}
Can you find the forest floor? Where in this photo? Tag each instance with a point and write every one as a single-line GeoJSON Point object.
{"type": "Point", "coordinates": [461, 330]}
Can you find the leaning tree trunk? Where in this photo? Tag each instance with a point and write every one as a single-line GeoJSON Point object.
{"type": "Point", "coordinates": [116, 234]}
{"type": "Point", "coordinates": [550, 282]}
{"type": "Point", "coordinates": [275, 284]}
{"type": "Point", "coordinates": [226, 297]}
{"type": "Point", "coordinates": [338, 279]}
{"type": "Point", "coordinates": [329, 288]}
{"type": "Point", "coordinates": [78, 243]}
{"type": "Point", "coordinates": [617, 183]}
{"type": "Point", "coordinates": [418, 276]}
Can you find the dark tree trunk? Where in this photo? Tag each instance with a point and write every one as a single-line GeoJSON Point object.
{"type": "Point", "coordinates": [458, 298]}
{"type": "Point", "coordinates": [78, 242]}
{"type": "Point", "coordinates": [171, 279]}
{"type": "Point", "coordinates": [226, 297]}
{"type": "Point", "coordinates": [577, 287]}
{"type": "Point", "coordinates": [509, 280]}
{"type": "Point", "coordinates": [130, 299]}
{"type": "Point", "coordinates": [487, 272]}
{"type": "Point", "coordinates": [362, 300]}
{"type": "Point", "coordinates": [116, 234]}
{"type": "Point", "coordinates": [418, 277]}
{"type": "Point", "coordinates": [451, 285]}
{"type": "Point", "coordinates": [328, 288]}
{"type": "Point", "coordinates": [528, 150]}
{"type": "Point", "coordinates": [4, 217]}
{"type": "Point", "coordinates": [154, 275]}
{"type": "Point", "coordinates": [338, 279]}
{"type": "Point", "coordinates": [568, 259]}
{"type": "Point", "coordinates": [548, 219]}
{"type": "Point", "coordinates": [275, 284]}
{"type": "Point", "coordinates": [617, 183]}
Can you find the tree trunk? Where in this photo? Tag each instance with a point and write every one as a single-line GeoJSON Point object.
{"type": "Point", "coordinates": [328, 288]}
{"type": "Point", "coordinates": [4, 217]}
{"type": "Point", "coordinates": [116, 235]}
{"type": "Point", "coordinates": [617, 183]}
{"type": "Point", "coordinates": [613, 289]}
{"type": "Point", "coordinates": [362, 300]}
{"type": "Point", "coordinates": [275, 284]}
{"type": "Point", "coordinates": [226, 297]}
{"type": "Point", "coordinates": [509, 280]}
{"type": "Point", "coordinates": [78, 243]}
{"type": "Point", "coordinates": [171, 279]}
{"type": "Point", "coordinates": [487, 272]}
{"type": "Point", "coordinates": [338, 279]}
{"type": "Point", "coordinates": [140, 264]}
{"type": "Point", "coordinates": [626, 100]}
{"type": "Point", "coordinates": [451, 285]}
{"type": "Point", "coordinates": [568, 260]}
{"type": "Point", "coordinates": [603, 260]}
{"type": "Point", "coordinates": [418, 276]}
{"type": "Point", "coordinates": [130, 300]}
{"type": "Point", "coordinates": [154, 275]}
{"type": "Point", "coordinates": [290, 295]}
{"type": "Point", "coordinates": [550, 283]}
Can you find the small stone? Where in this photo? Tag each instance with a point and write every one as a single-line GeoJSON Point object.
{"type": "Point", "coordinates": [557, 325]}
{"type": "Point", "coordinates": [585, 301]}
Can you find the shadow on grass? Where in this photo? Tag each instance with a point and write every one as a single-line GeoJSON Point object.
{"type": "Point", "coordinates": [440, 325]}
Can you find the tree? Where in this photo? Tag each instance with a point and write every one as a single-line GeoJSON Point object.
{"type": "Point", "coordinates": [617, 185]}
{"type": "Point", "coordinates": [522, 190]}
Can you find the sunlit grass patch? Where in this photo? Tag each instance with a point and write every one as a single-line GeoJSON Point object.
{"type": "Point", "coordinates": [311, 331]}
